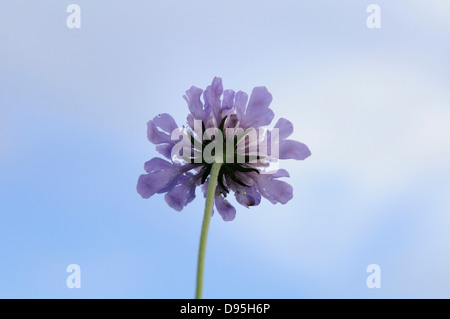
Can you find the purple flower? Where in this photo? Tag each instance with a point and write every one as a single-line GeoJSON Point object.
{"type": "Point", "coordinates": [241, 122]}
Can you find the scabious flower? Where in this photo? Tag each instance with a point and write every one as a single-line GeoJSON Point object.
{"type": "Point", "coordinates": [236, 117]}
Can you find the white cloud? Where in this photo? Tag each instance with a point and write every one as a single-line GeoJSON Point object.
{"type": "Point", "coordinates": [375, 133]}
{"type": "Point", "coordinates": [383, 123]}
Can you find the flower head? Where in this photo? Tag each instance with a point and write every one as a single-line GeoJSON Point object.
{"type": "Point", "coordinates": [227, 127]}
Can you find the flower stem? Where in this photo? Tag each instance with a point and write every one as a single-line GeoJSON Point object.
{"type": "Point", "coordinates": [205, 227]}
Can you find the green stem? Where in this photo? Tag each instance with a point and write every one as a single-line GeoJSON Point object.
{"type": "Point", "coordinates": [205, 226]}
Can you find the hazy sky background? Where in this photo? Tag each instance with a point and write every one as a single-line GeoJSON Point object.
{"type": "Point", "coordinates": [373, 105]}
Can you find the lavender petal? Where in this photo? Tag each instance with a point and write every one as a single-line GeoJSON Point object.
{"type": "Point", "coordinates": [195, 105]}
{"type": "Point", "coordinates": [161, 177]}
{"type": "Point", "coordinates": [225, 209]}
{"type": "Point", "coordinates": [274, 190]}
{"type": "Point", "coordinates": [182, 194]}
{"type": "Point", "coordinates": [258, 112]}
{"type": "Point", "coordinates": [290, 149]}
{"type": "Point", "coordinates": [248, 196]}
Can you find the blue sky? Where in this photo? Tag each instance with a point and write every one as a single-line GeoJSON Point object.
{"type": "Point", "coordinates": [373, 105]}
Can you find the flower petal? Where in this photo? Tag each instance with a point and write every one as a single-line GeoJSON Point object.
{"type": "Point", "coordinates": [161, 177]}
{"type": "Point", "coordinates": [280, 173]}
{"type": "Point", "coordinates": [159, 129]}
{"type": "Point", "coordinates": [285, 128]}
{"type": "Point", "coordinates": [258, 112]}
{"type": "Point", "coordinates": [182, 194]}
{"type": "Point", "coordinates": [290, 149]}
{"type": "Point", "coordinates": [240, 102]}
{"type": "Point", "coordinates": [149, 184]}
{"type": "Point", "coordinates": [274, 190]}
{"type": "Point", "coordinates": [248, 196]}
{"type": "Point", "coordinates": [157, 164]}
{"type": "Point", "coordinates": [212, 96]}
{"type": "Point", "coordinates": [165, 122]}
{"type": "Point", "coordinates": [228, 100]}
{"type": "Point", "coordinates": [225, 209]}
{"type": "Point", "coordinates": [156, 136]}
{"type": "Point", "coordinates": [165, 150]}
{"type": "Point", "coordinates": [195, 105]}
